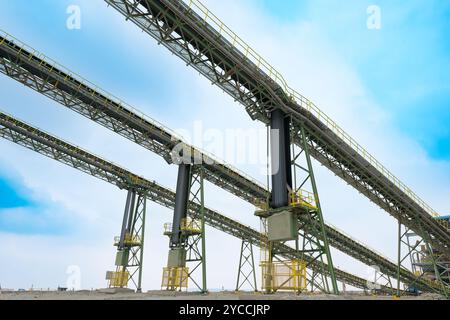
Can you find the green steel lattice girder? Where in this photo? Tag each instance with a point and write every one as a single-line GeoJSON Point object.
{"type": "Point", "coordinates": [54, 148]}
{"type": "Point", "coordinates": [59, 84]}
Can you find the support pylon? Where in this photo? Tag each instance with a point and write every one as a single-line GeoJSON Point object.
{"type": "Point", "coordinates": [295, 203]}
{"type": "Point", "coordinates": [246, 269]}
{"type": "Point", "coordinates": [311, 223]}
{"type": "Point", "coordinates": [130, 244]}
{"type": "Point", "coordinates": [187, 254]}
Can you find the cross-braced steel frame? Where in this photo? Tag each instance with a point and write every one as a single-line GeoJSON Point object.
{"type": "Point", "coordinates": [312, 238]}
{"type": "Point", "coordinates": [315, 239]}
{"type": "Point", "coordinates": [246, 268]}
{"type": "Point", "coordinates": [54, 148]}
{"type": "Point", "coordinates": [186, 34]}
{"type": "Point", "coordinates": [54, 81]}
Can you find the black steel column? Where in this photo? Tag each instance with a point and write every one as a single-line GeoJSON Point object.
{"type": "Point", "coordinates": [181, 202]}
{"type": "Point", "coordinates": [127, 217]}
{"type": "Point", "coordinates": [280, 158]}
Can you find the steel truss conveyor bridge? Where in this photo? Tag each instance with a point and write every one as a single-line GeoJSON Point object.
{"type": "Point", "coordinates": [54, 148]}
{"type": "Point", "coordinates": [194, 34]}
{"type": "Point", "coordinates": [47, 77]}
{"type": "Point", "coordinates": [225, 59]}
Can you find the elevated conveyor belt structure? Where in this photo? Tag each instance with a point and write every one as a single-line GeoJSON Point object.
{"type": "Point", "coordinates": [44, 75]}
{"type": "Point", "coordinates": [194, 34]}
{"type": "Point", "coordinates": [54, 148]}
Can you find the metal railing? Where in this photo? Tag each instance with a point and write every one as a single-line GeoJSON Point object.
{"type": "Point", "coordinates": [175, 278]}
{"type": "Point", "coordinates": [305, 103]}
{"type": "Point", "coordinates": [51, 65]}
{"type": "Point", "coordinates": [168, 227]}
{"type": "Point", "coordinates": [336, 229]}
{"type": "Point", "coordinates": [135, 179]}
{"type": "Point", "coordinates": [192, 225]}
{"type": "Point", "coordinates": [302, 198]}
{"type": "Point", "coordinates": [138, 179]}
{"type": "Point", "coordinates": [187, 224]}
{"type": "Point", "coordinates": [128, 240]}
{"type": "Point", "coordinates": [261, 63]}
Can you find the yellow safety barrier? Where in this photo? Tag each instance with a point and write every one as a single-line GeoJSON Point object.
{"type": "Point", "coordinates": [175, 278]}
{"type": "Point", "coordinates": [261, 205]}
{"type": "Point", "coordinates": [302, 198]}
{"type": "Point", "coordinates": [251, 54]}
{"type": "Point", "coordinates": [191, 225]}
{"type": "Point", "coordinates": [286, 275]}
{"type": "Point", "coordinates": [119, 279]}
{"type": "Point", "coordinates": [129, 240]}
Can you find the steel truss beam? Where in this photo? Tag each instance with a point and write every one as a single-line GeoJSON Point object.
{"type": "Point", "coordinates": [54, 148]}
{"type": "Point", "coordinates": [427, 263]}
{"type": "Point", "coordinates": [54, 81]}
{"type": "Point", "coordinates": [186, 34]}
{"type": "Point", "coordinates": [196, 245]}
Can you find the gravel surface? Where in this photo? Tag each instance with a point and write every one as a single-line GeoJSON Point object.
{"type": "Point", "coordinates": [124, 294]}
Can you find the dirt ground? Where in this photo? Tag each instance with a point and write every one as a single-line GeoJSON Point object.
{"type": "Point", "coordinates": [112, 294]}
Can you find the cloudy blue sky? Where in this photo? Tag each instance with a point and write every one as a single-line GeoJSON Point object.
{"type": "Point", "coordinates": [389, 88]}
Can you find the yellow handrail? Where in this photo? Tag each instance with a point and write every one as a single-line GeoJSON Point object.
{"type": "Point", "coordinates": [302, 198]}
{"type": "Point", "coordinates": [193, 225]}
{"type": "Point", "coordinates": [128, 240]}
{"type": "Point", "coordinates": [187, 224]}
{"type": "Point", "coordinates": [252, 55]}
{"type": "Point", "coordinates": [302, 101]}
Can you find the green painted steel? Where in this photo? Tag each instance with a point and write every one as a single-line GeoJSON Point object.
{"type": "Point", "coordinates": [202, 214]}
{"type": "Point", "coordinates": [323, 233]}
{"type": "Point", "coordinates": [54, 81]}
{"type": "Point", "coordinates": [246, 258]}
{"type": "Point", "coordinates": [184, 32]}
{"type": "Point", "coordinates": [45, 76]}
{"type": "Point", "coordinates": [399, 254]}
